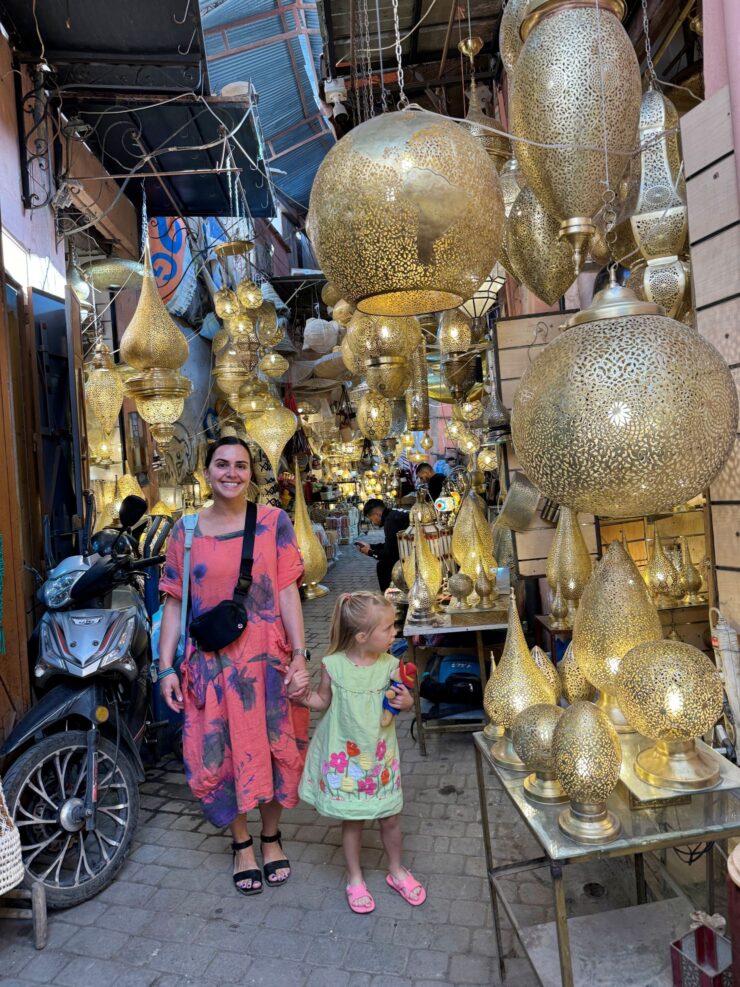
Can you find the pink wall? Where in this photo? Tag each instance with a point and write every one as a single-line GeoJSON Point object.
{"type": "Point", "coordinates": [721, 20]}
{"type": "Point", "coordinates": [34, 259]}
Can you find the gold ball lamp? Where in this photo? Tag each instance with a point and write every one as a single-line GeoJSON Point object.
{"type": "Point", "coordinates": [532, 737]}
{"type": "Point", "coordinates": [330, 294]}
{"type": "Point", "coordinates": [672, 693]}
{"type": "Point", "coordinates": [371, 337]}
{"type": "Point", "coordinates": [249, 294]}
{"type": "Point", "coordinates": [426, 442]}
{"type": "Point", "coordinates": [229, 374]}
{"type": "Point", "coordinates": [343, 312]}
{"type": "Point", "coordinates": [314, 556]}
{"type": "Point", "coordinates": [577, 77]}
{"type": "Point", "coordinates": [251, 400]}
{"type": "Point", "coordinates": [568, 561]}
{"type": "Point", "coordinates": [104, 391]}
{"type": "Point", "coordinates": [667, 282]}
{"type": "Point", "coordinates": [271, 431]}
{"type": "Point", "coordinates": [269, 332]}
{"type": "Point", "coordinates": [220, 340]}
{"type": "Point", "coordinates": [548, 670]}
{"type": "Point", "coordinates": [353, 363]}
{"type": "Point", "coordinates": [455, 334]}
{"type": "Point", "coordinates": [274, 365]}
{"type": "Point", "coordinates": [388, 376]}
{"type": "Point", "coordinates": [398, 577]}
{"type": "Point", "coordinates": [608, 418]}
{"type": "Point", "coordinates": [615, 615]}
{"type": "Point", "coordinates": [537, 258]}
{"type": "Point", "coordinates": [406, 214]}
{"type": "Point", "coordinates": [515, 684]}
{"type": "Point", "coordinates": [588, 759]}
{"type": "Point", "coordinates": [575, 684]}
{"type": "Point", "coordinates": [509, 38]}
{"type": "Point", "coordinates": [374, 414]}
{"type": "Point", "coordinates": [226, 303]}
{"type": "Point", "coordinates": [243, 325]}
{"type": "Point", "coordinates": [460, 587]}
{"type": "Point", "coordinates": [488, 460]}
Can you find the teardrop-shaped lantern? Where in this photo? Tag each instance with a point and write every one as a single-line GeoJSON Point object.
{"type": "Point", "coordinates": [455, 334]}
{"type": "Point", "coordinates": [576, 85]}
{"type": "Point", "coordinates": [104, 391]}
{"type": "Point", "coordinates": [568, 562]}
{"type": "Point", "coordinates": [548, 670]}
{"type": "Point", "coordinates": [314, 556]}
{"type": "Point", "coordinates": [152, 338]}
{"type": "Point", "coordinates": [615, 614]}
{"type": "Point", "coordinates": [575, 684]}
{"type": "Point", "coordinates": [496, 145]}
{"type": "Point", "coordinates": [533, 734]}
{"type": "Point", "coordinates": [537, 257]}
{"type": "Point", "coordinates": [511, 186]}
{"type": "Point", "coordinates": [659, 573]}
{"type": "Point", "coordinates": [406, 214]}
{"type": "Point", "coordinates": [271, 431]}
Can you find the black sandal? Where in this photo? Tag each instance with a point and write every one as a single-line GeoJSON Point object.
{"type": "Point", "coordinates": [255, 874]}
{"type": "Point", "coordinates": [276, 865]}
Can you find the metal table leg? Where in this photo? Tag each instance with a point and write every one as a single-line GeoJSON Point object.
{"type": "Point", "coordinates": [640, 879]}
{"type": "Point", "coordinates": [489, 859]}
{"type": "Point", "coordinates": [710, 879]}
{"type": "Point", "coordinates": [561, 924]}
{"type": "Point", "coordinates": [481, 659]}
{"type": "Point", "coordinates": [417, 703]}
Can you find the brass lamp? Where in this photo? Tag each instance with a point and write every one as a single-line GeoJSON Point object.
{"type": "Point", "coordinates": [353, 363]}
{"type": "Point", "coordinates": [381, 336]}
{"type": "Point", "coordinates": [421, 598]}
{"type": "Point", "coordinates": [510, 188]}
{"type": "Point", "coordinates": [496, 146]}
{"type": "Point", "coordinates": [588, 758]}
{"type": "Point", "coordinates": [251, 400]}
{"type": "Point", "coordinates": [458, 372]}
{"type": "Point", "coordinates": [615, 614]}
{"type": "Point", "coordinates": [608, 418]}
{"type": "Point", "coordinates": [692, 575]}
{"type": "Point", "coordinates": [568, 561]}
{"type": "Point", "coordinates": [269, 332]}
{"type": "Point", "coordinates": [229, 374]}
{"type": "Point", "coordinates": [671, 692]}
{"type": "Point", "coordinates": [249, 294]}
{"type": "Point", "coordinates": [273, 365]}
{"type": "Point", "coordinates": [548, 670]}
{"type": "Point", "coordinates": [343, 312]}
{"type": "Point", "coordinates": [417, 396]}
{"type": "Point", "coordinates": [659, 573]}
{"type": "Point", "coordinates": [104, 390]}
{"type": "Point", "coordinates": [128, 486]}
{"type": "Point", "coordinates": [455, 334]}
{"type": "Point", "coordinates": [532, 736]}
{"type": "Point", "coordinates": [537, 257]}
{"type": "Point", "coordinates": [577, 84]}
{"type": "Point", "coordinates": [374, 415]}
{"type": "Point", "coordinates": [509, 38]}
{"type": "Point", "coordinates": [388, 376]}
{"type": "Point", "coordinates": [330, 294]}
{"type": "Point", "coordinates": [395, 214]}
{"type": "Point", "coordinates": [160, 400]}
{"type": "Point", "coordinates": [314, 556]}
{"type": "Point", "coordinates": [271, 431]}
{"type": "Point", "coordinates": [575, 684]}
{"type": "Point", "coordinates": [515, 684]}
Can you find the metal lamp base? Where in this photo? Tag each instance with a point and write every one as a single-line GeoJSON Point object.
{"type": "Point", "coordinates": [504, 754]}
{"type": "Point", "coordinates": [577, 231]}
{"type": "Point", "coordinates": [313, 591]}
{"type": "Point", "coordinates": [611, 707]}
{"type": "Point", "coordinates": [492, 731]}
{"type": "Point", "coordinates": [676, 765]}
{"type": "Point", "coordinates": [592, 824]}
{"type": "Point", "coordinates": [544, 787]}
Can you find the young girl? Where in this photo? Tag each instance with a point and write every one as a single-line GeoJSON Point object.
{"type": "Point", "coordinates": [352, 770]}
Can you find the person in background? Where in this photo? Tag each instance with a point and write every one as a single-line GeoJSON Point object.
{"type": "Point", "coordinates": [434, 481]}
{"type": "Point", "coordinates": [386, 553]}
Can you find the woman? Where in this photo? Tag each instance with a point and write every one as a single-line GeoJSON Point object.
{"type": "Point", "coordinates": [244, 743]}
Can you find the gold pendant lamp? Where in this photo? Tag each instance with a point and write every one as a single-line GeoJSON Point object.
{"type": "Point", "coordinates": [104, 391]}
{"type": "Point", "coordinates": [455, 333]}
{"type": "Point", "coordinates": [510, 178]}
{"type": "Point", "coordinates": [271, 431]}
{"type": "Point", "coordinates": [537, 257]}
{"type": "Point", "coordinates": [314, 556]}
{"type": "Point", "coordinates": [568, 562]}
{"type": "Point", "coordinates": [154, 345]}
{"type": "Point", "coordinates": [496, 146]}
{"type": "Point", "coordinates": [615, 614]}
{"type": "Point", "coordinates": [417, 396]}
{"type": "Point", "coordinates": [576, 83]}
{"type": "Point", "coordinates": [609, 417]}
{"type": "Point", "coordinates": [406, 215]}
{"type": "Point", "coordinates": [509, 37]}
{"type": "Point", "coordinates": [374, 414]}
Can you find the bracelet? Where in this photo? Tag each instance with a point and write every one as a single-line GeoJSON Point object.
{"type": "Point", "coordinates": [302, 652]}
{"type": "Point", "coordinates": [166, 671]}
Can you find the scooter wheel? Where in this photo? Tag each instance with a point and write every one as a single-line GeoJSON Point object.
{"type": "Point", "coordinates": [45, 791]}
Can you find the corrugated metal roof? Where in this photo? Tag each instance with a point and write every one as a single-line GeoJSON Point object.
{"type": "Point", "coordinates": [276, 46]}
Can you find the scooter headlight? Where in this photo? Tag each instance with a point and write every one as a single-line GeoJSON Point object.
{"type": "Point", "coordinates": [56, 592]}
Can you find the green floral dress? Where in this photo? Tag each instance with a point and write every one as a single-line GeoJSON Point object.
{"type": "Point", "coordinates": [352, 769]}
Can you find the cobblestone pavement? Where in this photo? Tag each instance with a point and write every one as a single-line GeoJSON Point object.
{"type": "Point", "coordinates": [172, 916]}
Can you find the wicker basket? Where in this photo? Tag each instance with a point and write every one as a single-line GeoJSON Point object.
{"type": "Point", "coordinates": [12, 871]}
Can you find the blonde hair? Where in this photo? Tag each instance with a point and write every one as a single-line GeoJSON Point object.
{"type": "Point", "coordinates": [352, 616]}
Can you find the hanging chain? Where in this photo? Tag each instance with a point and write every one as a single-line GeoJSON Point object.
{"type": "Point", "coordinates": [144, 219]}
{"type": "Point", "coordinates": [383, 90]}
{"type": "Point", "coordinates": [367, 62]}
{"type": "Point", "coordinates": [402, 101]}
{"type": "Point", "coordinates": [648, 47]}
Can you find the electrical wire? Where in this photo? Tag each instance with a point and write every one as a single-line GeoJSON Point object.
{"type": "Point", "coordinates": [406, 36]}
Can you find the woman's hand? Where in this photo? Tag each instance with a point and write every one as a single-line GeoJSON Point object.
{"type": "Point", "coordinates": [297, 668]}
{"type": "Point", "coordinates": [171, 692]}
{"type": "Point", "coordinates": [299, 684]}
{"type": "Point", "coordinates": [403, 700]}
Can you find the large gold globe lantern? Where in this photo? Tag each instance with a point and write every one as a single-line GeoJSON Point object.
{"type": "Point", "coordinates": [154, 345]}
{"type": "Point", "coordinates": [576, 83]}
{"type": "Point", "coordinates": [537, 257]}
{"type": "Point", "coordinates": [509, 38]}
{"type": "Point", "coordinates": [406, 215]}
{"type": "Point", "coordinates": [609, 417]}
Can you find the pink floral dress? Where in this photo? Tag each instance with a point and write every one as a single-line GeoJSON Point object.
{"type": "Point", "coordinates": [352, 769]}
{"type": "Point", "coordinates": [244, 742]}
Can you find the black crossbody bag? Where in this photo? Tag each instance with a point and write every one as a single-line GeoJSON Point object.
{"type": "Point", "coordinates": [225, 622]}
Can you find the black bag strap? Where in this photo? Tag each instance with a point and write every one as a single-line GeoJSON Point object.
{"type": "Point", "coordinates": [244, 581]}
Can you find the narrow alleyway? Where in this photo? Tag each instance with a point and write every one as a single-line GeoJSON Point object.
{"type": "Point", "coordinates": [173, 918]}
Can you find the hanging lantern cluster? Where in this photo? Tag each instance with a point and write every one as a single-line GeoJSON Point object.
{"type": "Point", "coordinates": [156, 348]}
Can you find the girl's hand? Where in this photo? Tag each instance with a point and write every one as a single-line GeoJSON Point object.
{"type": "Point", "coordinates": [298, 683]}
{"type": "Point", "coordinates": [171, 692]}
{"type": "Point", "coordinates": [403, 700]}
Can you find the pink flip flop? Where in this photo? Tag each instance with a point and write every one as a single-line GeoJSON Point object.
{"type": "Point", "coordinates": [355, 893]}
{"type": "Point", "coordinates": [406, 887]}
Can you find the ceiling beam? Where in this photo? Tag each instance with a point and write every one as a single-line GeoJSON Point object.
{"type": "Point", "coordinates": [254, 45]}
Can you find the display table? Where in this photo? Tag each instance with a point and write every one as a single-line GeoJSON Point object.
{"type": "Point", "coordinates": [451, 622]}
{"type": "Point", "coordinates": [634, 940]}
{"type": "Point", "coordinates": [543, 626]}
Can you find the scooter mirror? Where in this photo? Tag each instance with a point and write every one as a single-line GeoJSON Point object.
{"type": "Point", "coordinates": [132, 510]}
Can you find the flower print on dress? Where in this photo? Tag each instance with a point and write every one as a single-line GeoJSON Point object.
{"type": "Point", "coordinates": [325, 768]}
{"type": "Point", "coordinates": [367, 786]}
{"type": "Point", "coordinates": [385, 776]}
{"type": "Point", "coordinates": [333, 780]}
{"type": "Point", "coordinates": [339, 761]}
{"type": "Point", "coordinates": [375, 771]}
{"type": "Point", "coordinates": [352, 749]}
{"type": "Point", "coordinates": [355, 771]}
{"type": "Point", "coordinates": [380, 750]}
